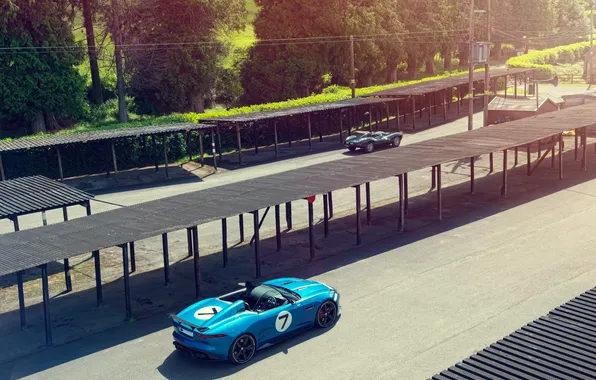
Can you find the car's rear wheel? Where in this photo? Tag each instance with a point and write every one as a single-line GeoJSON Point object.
{"type": "Point", "coordinates": [370, 147]}
{"type": "Point", "coordinates": [396, 141]}
{"type": "Point", "coordinates": [243, 349]}
{"type": "Point", "coordinates": [327, 314]}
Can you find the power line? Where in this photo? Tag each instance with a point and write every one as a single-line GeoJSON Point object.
{"type": "Point", "coordinates": [409, 37]}
{"type": "Point", "coordinates": [270, 41]}
{"type": "Point", "coordinates": [164, 46]}
{"type": "Point", "coordinates": [543, 39]}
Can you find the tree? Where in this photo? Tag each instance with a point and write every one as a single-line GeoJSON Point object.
{"type": "Point", "coordinates": [379, 49]}
{"type": "Point", "coordinates": [279, 70]}
{"type": "Point", "coordinates": [116, 28]}
{"type": "Point", "coordinates": [422, 21]}
{"type": "Point", "coordinates": [88, 8]}
{"type": "Point", "coordinates": [171, 54]}
{"type": "Point", "coordinates": [38, 82]}
{"type": "Point", "coordinates": [452, 34]}
{"type": "Point", "coordinates": [572, 23]}
{"type": "Point", "coordinates": [521, 21]}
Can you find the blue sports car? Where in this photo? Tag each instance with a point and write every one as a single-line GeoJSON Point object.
{"type": "Point", "coordinates": [234, 326]}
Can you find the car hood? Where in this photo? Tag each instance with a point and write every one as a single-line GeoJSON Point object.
{"type": "Point", "coordinates": [304, 288]}
{"type": "Point", "coordinates": [356, 139]}
{"type": "Point", "coordinates": [210, 311]}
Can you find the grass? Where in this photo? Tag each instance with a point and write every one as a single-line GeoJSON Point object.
{"type": "Point", "coordinates": [242, 40]}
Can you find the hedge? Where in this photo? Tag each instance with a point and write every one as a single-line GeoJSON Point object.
{"type": "Point", "coordinates": [543, 60]}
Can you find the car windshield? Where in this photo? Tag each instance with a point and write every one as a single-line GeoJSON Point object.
{"type": "Point", "coordinates": [287, 293]}
{"type": "Point", "coordinates": [266, 297]}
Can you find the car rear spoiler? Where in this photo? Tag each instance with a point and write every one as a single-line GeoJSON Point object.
{"type": "Point", "coordinates": [175, 318]}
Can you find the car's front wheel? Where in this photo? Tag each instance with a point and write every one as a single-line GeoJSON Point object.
{"type": "Point", "coordinates": [370, 147]}
{"type": "Point", "coordinates": [396, 141]}
{"type": "Point", "coordinates": [243, 349]}
{"type": "Point", "coordinates": [327, 314]}
{"type": "Point", "coordinates": [352, 148]}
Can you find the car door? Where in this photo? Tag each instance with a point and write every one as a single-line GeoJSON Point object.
{"type": "Point", "coordinates": [276, 323]}
{"type": "Point", "coordinates": [303, 312]}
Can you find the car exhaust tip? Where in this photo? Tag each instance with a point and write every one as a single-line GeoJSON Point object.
{"type": "Point", "coordinates": [199, 355]}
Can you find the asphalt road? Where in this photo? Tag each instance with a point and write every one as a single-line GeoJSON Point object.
{"type": "Point", "coordinates": [408, 312]}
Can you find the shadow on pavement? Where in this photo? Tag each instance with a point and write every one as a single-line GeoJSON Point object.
{"type": "Point", "coordinates": [183, 178]}
{"type": "Point", "coordinates": [180, 365]}
{"type": "Point", "coordinates": [460, 208]}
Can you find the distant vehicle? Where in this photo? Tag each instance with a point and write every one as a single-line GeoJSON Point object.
{"type": "Point", "coordinates": [370, 141]}
{"type": "Point", "coordinates": [234, 326]}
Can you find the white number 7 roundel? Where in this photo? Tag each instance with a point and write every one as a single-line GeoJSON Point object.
{"type": "Point", "coordinates": [283, 321]}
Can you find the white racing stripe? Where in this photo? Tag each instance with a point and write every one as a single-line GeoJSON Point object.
{"type": "Point", "coordinates": [305, 287]}
{"type": "Point", "coordinates": [207, 313]}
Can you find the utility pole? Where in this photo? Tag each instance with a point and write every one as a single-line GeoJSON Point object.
{"type": "Point", "coordinates": [486, 66]}
{"type": "Point", "coordinates": [352, 68]}
{"type": "Point", "coordinates": [591, 44]}
{"type": "Point", "coordinates": [117, 35]}
{"type": "Point", "coordinates": [471, 73]}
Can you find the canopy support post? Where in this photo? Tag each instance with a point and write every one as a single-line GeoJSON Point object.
{"type": "Point", "coordinates": [126, 275]}
{"type": "Point", "coordinates": [505, 171]}
{"type": "Point", "coordinates": [224, 241]}
{"type": "Point", "coordinates": [277, 228]}
{"type": "Point", "coordinates": [166, 259]}
{"type": "Point", "coordinates": [46, 304]}
{"type": "Point", "coordinates": [255, 219]}
{"type": "Point", "coordinates": [326, 214]}
{"type": "Point", "coordinates": [98, 288]}
{"type": "Point", "coordinates": [358, 238]}
{"type": "Point", "coordinates": [439, 193]}
{"type": "Point", "coordinates": [401, 217]}
{"type": "Point", "coordinates": [197, 263]}
{"type": "Point", "coordinates": [21, 293]}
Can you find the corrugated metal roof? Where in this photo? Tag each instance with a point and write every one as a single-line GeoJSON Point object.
{"type": "Point", "coordinates": [26, 195]}
{"type": "Point", "coordinates": [33, 247]}
{"type": "Point", "coordinates": [520, 104]}
{"type": "Point", "coordinates": [561, 345]}
{"type": "Point", "coordinates": [85, 137]}
{"type": "Point", "coordinates": [295, 111]}
{"type": "Point", "coordinates": [442, 84]}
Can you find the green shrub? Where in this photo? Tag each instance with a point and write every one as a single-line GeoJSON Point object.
{"type": "Point", "coordinates": [508, 49]}
{"type": "Point", "coordinates": [108, 110]}
{"type": "Point", "coordinates": [543, 60]}
{"type": "Point", "coordinates": [334, 89]}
